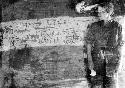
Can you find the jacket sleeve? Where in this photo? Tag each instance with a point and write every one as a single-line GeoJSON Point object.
{"type": "Point", "coordinates": [90, 36]}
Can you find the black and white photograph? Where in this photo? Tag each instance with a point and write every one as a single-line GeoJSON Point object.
{"type": "Point", "coordinates": [62, 44]}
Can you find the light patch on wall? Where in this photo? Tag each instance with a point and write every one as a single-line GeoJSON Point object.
{"type": "Point", "coordinates": [122, 65]}
{"type": "Point", "coordinates": [45, 32]}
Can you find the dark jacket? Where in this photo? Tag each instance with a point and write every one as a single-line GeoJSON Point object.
{"type": "Point", "coordinates": [107, 38]}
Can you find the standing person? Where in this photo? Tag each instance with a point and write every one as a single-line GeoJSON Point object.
{"type": "Point", "coordinates": [103, 46]}
{"type": "Point", "coordinates": [98, 35]}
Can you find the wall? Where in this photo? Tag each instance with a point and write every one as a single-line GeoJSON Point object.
{"type": "Point", "coordinates": [53, 58]}
{"type": "Point", "coordinates": [59, 55]}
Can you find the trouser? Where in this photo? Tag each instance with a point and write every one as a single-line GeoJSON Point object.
{"type": "Point", "coordinates": [103, 79]}
{"type": "Point", "coordinates": [105, 69]}
{"type": "Point", "coordinates": [102, 82]}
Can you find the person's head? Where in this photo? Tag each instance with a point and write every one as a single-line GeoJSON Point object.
{"type": "Point", "coordinates": [105, 13]}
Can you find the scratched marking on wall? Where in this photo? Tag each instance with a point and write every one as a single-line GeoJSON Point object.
{"type": "Point", "coordinates": [45, 32]}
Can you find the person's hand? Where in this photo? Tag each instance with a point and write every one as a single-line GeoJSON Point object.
{"type": "Point", "coordinates": [93, 73]}
{"type": "Point", "coordinates": [81, 7]}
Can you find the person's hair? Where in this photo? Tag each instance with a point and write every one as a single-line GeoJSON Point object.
{"type": "Point", "coordinates": [109, 8]}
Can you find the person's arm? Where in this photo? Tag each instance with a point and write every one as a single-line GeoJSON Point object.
{"type": "Point", "coordinates": [90, 62]}
{"type": "Point", "coordinates": [81, 7]}
{"type": "Point", "coordinates": [90, 7]}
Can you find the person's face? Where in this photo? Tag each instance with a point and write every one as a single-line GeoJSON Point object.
{"type": "Point", "coordinates": [103, 15]}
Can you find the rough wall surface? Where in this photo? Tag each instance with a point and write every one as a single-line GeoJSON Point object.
{"type": "Point", "coordinates": [45, 32]}
{"type": "Point", "coordinates": [52, 62]}
{"type": "Point", "coordinates": [46, 50]}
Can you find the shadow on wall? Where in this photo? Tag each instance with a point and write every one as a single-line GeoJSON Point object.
{"type": "Point", "coordinates": [18, 58]}
{"type": "Point", "coordinates": [23, 10]}
{"type": "Point", "coordinates": [37, 9]}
